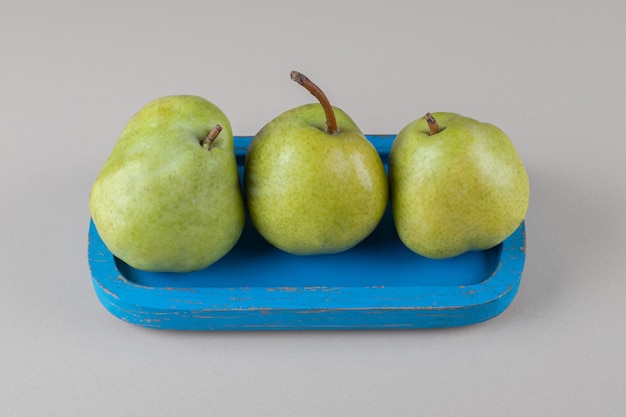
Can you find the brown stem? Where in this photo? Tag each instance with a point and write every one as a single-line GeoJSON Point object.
{"type": "Point", "coordinates": [208, 141]}
{"type": "Point", "coordinates": [433, 126]}
{"type": "Point", "coordinates": [331, 121]}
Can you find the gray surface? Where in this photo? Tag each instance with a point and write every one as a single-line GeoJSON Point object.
{"type": "Point", "coordinates": [551, 74]}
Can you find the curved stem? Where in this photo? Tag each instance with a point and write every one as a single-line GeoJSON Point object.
{"type": "Point", "coordinates": [331, 121]}
{"type": "Point", "coordinates": [433, 126]}
{"type": "Point", "coordinates": [208, 141]}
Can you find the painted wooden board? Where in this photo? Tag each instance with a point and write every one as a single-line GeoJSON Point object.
{"type": "Point", "coordinates": [379, 284]}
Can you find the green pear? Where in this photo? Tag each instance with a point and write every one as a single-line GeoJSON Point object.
{"type": "Point", "coordinates": [456, 185]}
{"type": "Point", "coordinates": [313, 183]}
{"type": "Point", "coordinates": [168, 197]}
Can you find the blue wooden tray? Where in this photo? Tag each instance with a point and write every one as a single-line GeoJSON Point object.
{"type": "Point", "coordinates": [379, 284]}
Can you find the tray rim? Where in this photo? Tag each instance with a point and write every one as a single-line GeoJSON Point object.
{"type": "Point", "coordinates": [307, 307]}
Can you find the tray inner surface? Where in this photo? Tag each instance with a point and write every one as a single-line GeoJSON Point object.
{"type": "Point", "coordinates": [380, 260]}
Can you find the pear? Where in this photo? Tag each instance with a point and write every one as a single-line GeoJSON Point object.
{"type": "Point", "coordinates": [168, 197]}
{"type": "Point", "coordinates": [313, 183]}
{"type": "Point", "coordinates": [456, 185]}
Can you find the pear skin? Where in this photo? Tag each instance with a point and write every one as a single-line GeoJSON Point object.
{"type": "Point", "coordinates": [309, 192]}
{"type": "Point", "coordinates": [163, 201]}
{"type": "Point", "coordinates": [458, 188]}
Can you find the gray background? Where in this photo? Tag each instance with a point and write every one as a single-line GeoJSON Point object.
{"type": "Point", "coordinates": [549, 73]}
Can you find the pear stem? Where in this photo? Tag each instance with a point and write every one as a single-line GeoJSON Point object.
{"type": "Point", "coordinates": [433, 126]}
{"type": "Point", "coordinates": [331, 120]}
{"type": "Point", "coordinates": [208, 141]}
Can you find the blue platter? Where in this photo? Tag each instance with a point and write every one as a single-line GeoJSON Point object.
{"type": "Point", "coordinates": [379, 284]}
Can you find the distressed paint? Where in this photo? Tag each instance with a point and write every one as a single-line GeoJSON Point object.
{"type": "Point", "coordinates": [378, 285]}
